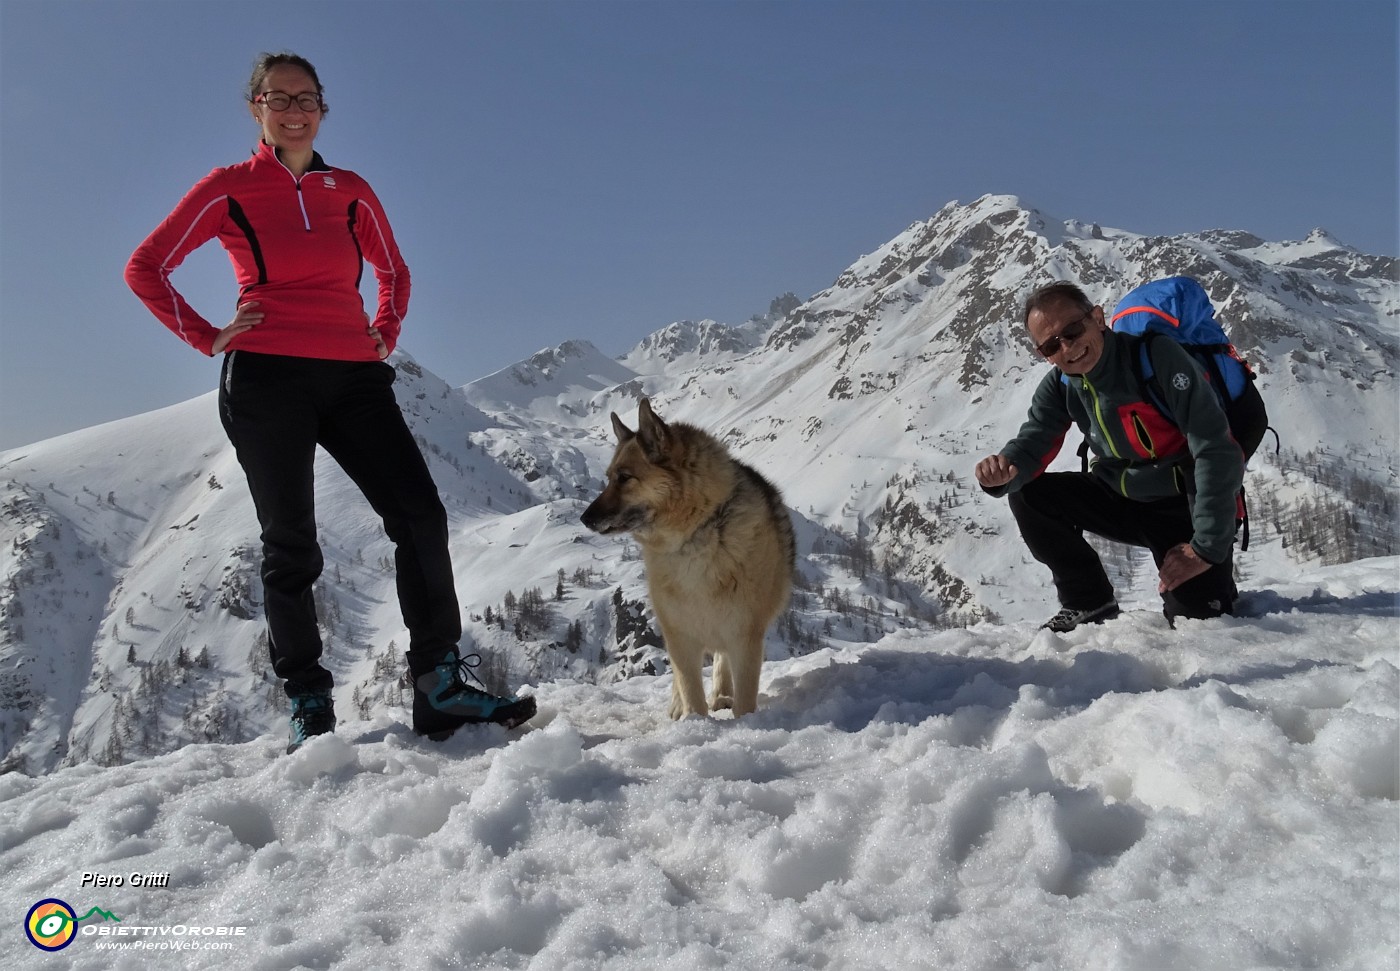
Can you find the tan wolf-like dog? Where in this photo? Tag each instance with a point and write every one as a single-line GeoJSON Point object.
{"type": "Point", "coordinates": [718, 547]}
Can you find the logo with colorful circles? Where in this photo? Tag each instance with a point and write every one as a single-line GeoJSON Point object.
{"type": "Point", "coordinates": [51, 924]}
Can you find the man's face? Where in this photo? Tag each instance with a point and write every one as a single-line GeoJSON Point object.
{"type": "Point", "coordinates": [1072, 338]}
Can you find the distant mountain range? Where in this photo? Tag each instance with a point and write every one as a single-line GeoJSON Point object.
{"type": "Point", "coordinates": [130, 606]}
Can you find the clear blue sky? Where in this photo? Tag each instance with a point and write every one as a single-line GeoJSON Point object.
{"type": "Point", "coordinates": [597, 170]}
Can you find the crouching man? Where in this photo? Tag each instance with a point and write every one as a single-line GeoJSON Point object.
{"type": "Point", "coordinates": [1170, 485]}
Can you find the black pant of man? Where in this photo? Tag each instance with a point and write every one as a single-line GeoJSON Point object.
{"type": "Point", "coordinates": [1055, 510]}
{"type": "Point", "coordinates": [276, 410]}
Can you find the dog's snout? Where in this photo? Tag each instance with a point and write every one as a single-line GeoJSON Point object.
{"type": "Point", "coordinates": [599, 514]}
{"type": "Point", "coordinates": [590, 517]}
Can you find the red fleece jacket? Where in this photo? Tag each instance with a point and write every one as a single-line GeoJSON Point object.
{"type": "Point", "coordinates": [298, 248]}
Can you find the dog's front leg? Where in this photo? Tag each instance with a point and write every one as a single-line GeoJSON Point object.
{"type": "Point", "coordinates": [687, 684]}
{"type": "Point", "coordinates": [747, 664]}
{"type": "Point", "coordinates": [722, 693]}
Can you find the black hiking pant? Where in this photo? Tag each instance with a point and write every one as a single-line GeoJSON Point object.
{"type": "Point", "coordinates": [1054, 511]}
{"type": "Point", "coordinates": [276, 410]}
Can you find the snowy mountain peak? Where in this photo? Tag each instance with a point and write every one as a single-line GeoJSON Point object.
{"type": "Point", "coordinates": [1321, 237]}
{"type": "Point", "coordinates": [562, 381]}
{"type": "Point", "coordinates": [687, 340]}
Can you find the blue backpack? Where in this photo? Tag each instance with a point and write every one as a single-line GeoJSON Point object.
{"type": "Point", "coordinates": [1179, 308]}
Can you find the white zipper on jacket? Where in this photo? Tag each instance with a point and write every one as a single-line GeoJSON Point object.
{"type": "Point", "coordinates": [301, 200]}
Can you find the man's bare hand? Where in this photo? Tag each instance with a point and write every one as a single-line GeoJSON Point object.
{"type": "Point", "coordinates": [995, 470]}
{"type": "Point", "coordinates": [1179, 565]}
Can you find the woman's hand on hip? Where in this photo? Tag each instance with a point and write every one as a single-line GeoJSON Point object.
{"type": "Point", "coordinates": [379, 345]}
{"type": "Point", "coordinates": [244, 320]}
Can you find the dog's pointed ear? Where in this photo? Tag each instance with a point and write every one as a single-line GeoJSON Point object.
{"type": "Point", "coordinates": [654, 435]}
{"type": "Point", "coordinates": [623, 433]}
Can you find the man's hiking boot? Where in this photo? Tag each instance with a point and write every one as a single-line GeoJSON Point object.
{"type": "Point", "coordinates": [1174, 608]}
{"type": "Point", "coordinates": [443, 701]}
{"type": "Point", "coordinates": [1068, 618]}
{"type": "Point", "coordinates": [312, 714]}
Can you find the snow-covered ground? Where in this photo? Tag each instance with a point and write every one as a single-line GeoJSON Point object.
{"type": "Point", "coordinates": [1221, 796]}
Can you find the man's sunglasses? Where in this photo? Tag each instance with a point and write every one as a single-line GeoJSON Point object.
{"type": "Point", "coordinates": [1069, 335]}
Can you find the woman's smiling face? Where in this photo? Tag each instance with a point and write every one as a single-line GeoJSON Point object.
{"type": "Point", "coordinates": [294, 128]}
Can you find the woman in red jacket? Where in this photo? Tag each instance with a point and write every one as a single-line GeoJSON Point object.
{"type": "Point", "coordinates": [304, 366]}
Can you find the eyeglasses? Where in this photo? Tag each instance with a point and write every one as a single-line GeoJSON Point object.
{"type": "Point", "coordinates": [1069, 335]}
{"type": "Point", "coordinates": [277, 101]}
